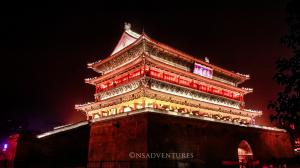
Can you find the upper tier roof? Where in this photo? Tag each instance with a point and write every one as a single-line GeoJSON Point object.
{"type": "Point", "coordinates": [130, 38]}
{"type": "Point", "coordinates": [127, 38]}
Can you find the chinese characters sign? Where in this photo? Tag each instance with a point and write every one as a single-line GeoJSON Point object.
{"type": "Point", "coordinates": [203, 70]}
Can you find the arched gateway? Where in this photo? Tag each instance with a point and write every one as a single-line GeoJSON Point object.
{"type": "Point", "coordinates": [245, 153]}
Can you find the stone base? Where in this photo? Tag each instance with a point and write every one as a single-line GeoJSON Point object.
{"type": "Point", "coordinates": [124, 140]}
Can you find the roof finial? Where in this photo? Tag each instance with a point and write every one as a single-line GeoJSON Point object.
{"type": "Point", "coordinates": [206, 59]}
{"type": "Point", "coordinates": [127, 26]}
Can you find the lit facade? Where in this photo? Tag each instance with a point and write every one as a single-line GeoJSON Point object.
{"type": "Point", "coordinates": [142, 73]}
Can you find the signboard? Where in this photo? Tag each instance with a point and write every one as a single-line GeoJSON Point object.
{"type": "Point", "coordinates": [203, 70]}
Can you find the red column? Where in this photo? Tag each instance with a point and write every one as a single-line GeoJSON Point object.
{"type": "Point", "coordinates": [154, 105]}
{"type": "Point", "coordinates": [134, 106]}
{"type": "Point", "coordinates": [143, 103]}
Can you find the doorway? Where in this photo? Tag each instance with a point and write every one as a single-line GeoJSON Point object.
{"type": "Point", "coordinates": [245, 154]}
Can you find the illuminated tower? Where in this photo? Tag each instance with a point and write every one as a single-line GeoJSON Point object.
{"type": "Point", "coordinates": [153, 99]}
{"type": "Point", "coordinates": [144, 75]}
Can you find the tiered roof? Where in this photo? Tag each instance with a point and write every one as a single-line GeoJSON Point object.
{"type": "Point", "coordinates": [134, 56]}
{"type": "Point", "coordinates": [130, 39]}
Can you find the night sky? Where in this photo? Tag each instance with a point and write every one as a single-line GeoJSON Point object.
{"type": "Point", "coordinates": [45, 49]}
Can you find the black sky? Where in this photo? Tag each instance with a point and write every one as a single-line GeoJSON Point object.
{"type": "Point", "coordinates": [45, 48]}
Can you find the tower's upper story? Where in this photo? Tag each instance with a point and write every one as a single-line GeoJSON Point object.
{"type": "Point", "coordinates": [144, 73]}
{"type": "Point", "coordinates": [166, 54]}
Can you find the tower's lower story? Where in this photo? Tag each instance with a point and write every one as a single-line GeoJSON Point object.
{"type": "Point", "coordinates": [153, 138]}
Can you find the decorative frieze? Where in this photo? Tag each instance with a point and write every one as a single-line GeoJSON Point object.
{"type": "Point", "coordinates": [121, 60]}
{"type": "Point", "coordinates": [120, 90]}
{"type": "Point", "coordinates": [169, 59]}
{"type": "Point", "coordinates": [187, 93]}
